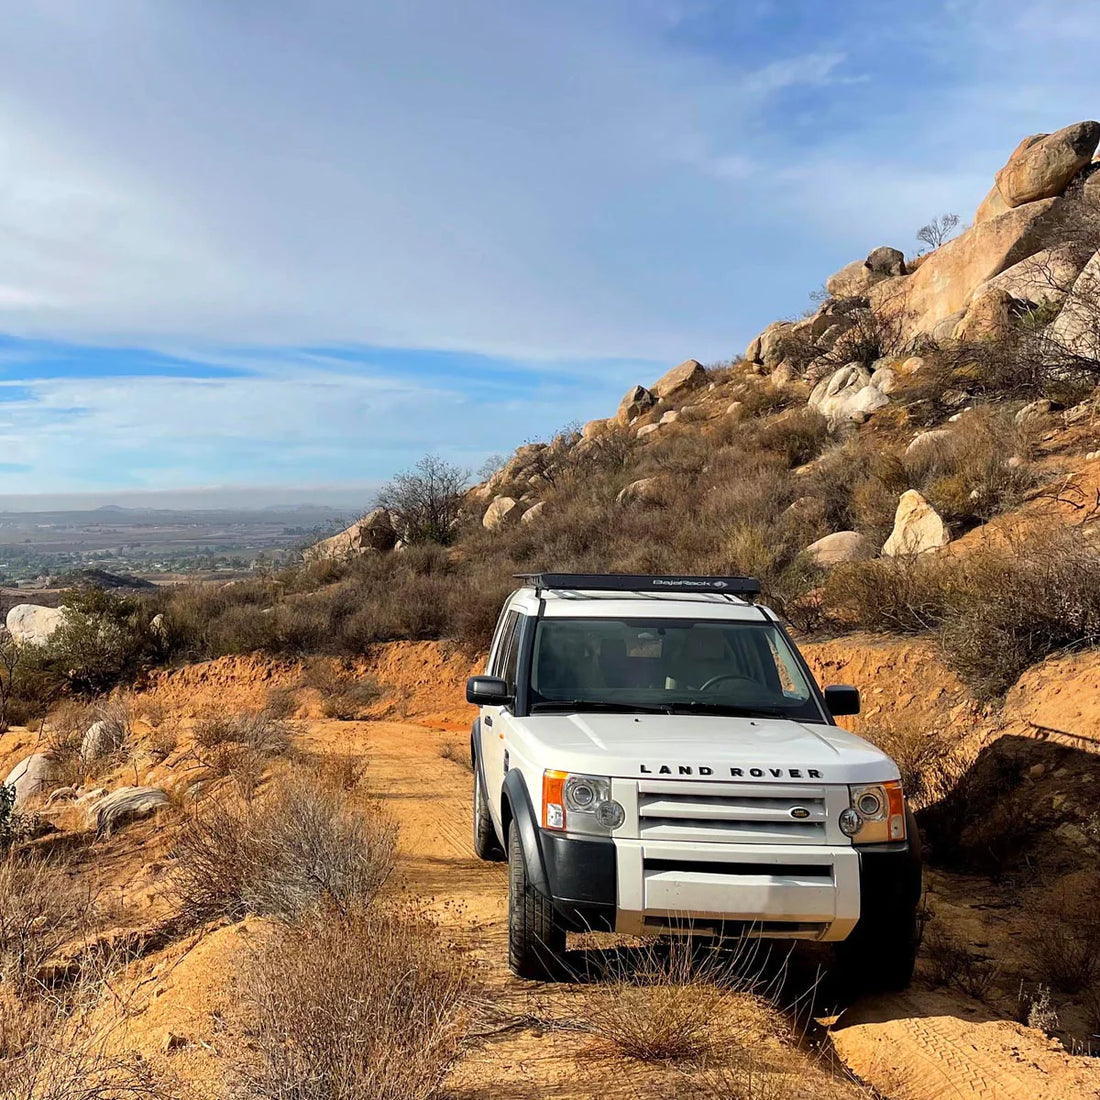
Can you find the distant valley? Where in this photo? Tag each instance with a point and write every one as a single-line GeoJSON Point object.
{"type": "Point", "coordinates": [157, 544]}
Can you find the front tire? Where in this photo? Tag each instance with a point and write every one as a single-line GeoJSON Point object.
{"type": "Point", "coordinates": [536, 936]}
{"type": "Point", "coordinates": [486, 845]}
{"type": "Point", "coordinates": [881, 952]}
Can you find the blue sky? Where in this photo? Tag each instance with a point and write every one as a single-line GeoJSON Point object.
{"type": "Point", "coordinates": [289, 245]}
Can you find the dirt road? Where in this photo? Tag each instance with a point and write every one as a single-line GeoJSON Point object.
{"type": "Point", "coordinates": [921, 1046]}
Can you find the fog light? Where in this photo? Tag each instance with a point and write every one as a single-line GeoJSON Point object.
{"type": "Point", "coordinates": [610, 814]}
{"type": "Point", "coordinates": [850, 822]}
{"type": "Point", "coordinates": [870, 804]}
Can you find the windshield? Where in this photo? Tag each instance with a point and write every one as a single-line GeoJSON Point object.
{"type": "Point", "coordinates": [671, 665]}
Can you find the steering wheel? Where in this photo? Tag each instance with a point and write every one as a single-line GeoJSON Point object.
{"type": "Point", "coordinates": [728, 676]}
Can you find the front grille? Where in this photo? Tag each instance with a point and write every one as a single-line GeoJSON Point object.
{"type": "Point", "coordinates": [728, 813]}
{"type": "Point", "coordinates": [725, 867]}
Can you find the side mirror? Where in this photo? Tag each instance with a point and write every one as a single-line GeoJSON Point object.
{"type": "Point", "coordinates": [842, 699]}
{"type": "Point", "coordinates": [488, 691]}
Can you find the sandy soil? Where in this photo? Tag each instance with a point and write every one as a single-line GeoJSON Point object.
{"type": "Point", "coordinates": [180, 1005]}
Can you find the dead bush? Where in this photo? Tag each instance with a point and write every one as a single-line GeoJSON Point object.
{"type": "Point", "coordinates": [671, 1005]}
{"type": "Point", "coordinates": [1062, 940]}
{"type": "Point", "coordinates": [344, 693]}
{"type": "Point", "coordinates": [358, 1005]}
{"type": "Point", "coordinates": [42, 908]}
{"type": "Point", "coordinates": [896, 595]}
{"type": "Point", "coordinates": [950, 963]}
{"type": "Point", "coordinates": [926, 754]}
{"type": "Point", "coordinates": [260, 731]}
{"type": "Point", "coordinates": [297, 849]}
{"type": "Point", "coordinates": [456, 754]}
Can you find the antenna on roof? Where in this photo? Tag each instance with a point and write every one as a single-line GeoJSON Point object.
{"type": "Point", "coordinates": [745, 587]}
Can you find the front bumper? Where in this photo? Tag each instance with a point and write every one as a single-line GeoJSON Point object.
{"type": "Point", "coordinates": [794, 891]}
{"type": "Point", "coordinates": [812, 892]}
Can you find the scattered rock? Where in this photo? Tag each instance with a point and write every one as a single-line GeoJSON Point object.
{"type": "Point", "coordinates": [1015, 462]}
{"type": "Point", "coordinates": [1042, 165]}
{"type": "Point", "coordinates": [30, 777]}
{"type": "Point", "coordinates": [988, 317]}
{"type": "Point", "coordinates": [918, 527]}
{"type": "Point", "coordinates": [847, 395]}
{"type": "Point", "coordinates": [503, 512]}
{"type": "Point", "coordinates": [536, 512]}
{"type": "Point", "coordinates": [1035, 410]}
{"type": "Point", "coordinates": [646, 488]}
{"type": "Point", "coordinates": [771, 351]}
{"type": "Point", "coordinates": [125, 805]}
{"type": "Point", "coordinates": [647, 429]}
{"type": "Point", "coordinates": [636, 401]}
{"type": "Point", "coordinates": [850, 281]}
{"type": "Point", "coordinates": [101, 739]}
{"type": "Point", "coordinates": [31, 624]}
{"type": "Point", "coordinates": [782, 374]}
{"type": "Point", "coordinates": [884, 263]}
{"type": "Point", "coordinates": [669, 417]}
{"type": "Point", "coordinates": [62, 794]}
{"type": "Point", "coordinates": [943, 332]}
{"type": "Point", "coordinates": [688, 374]}
{"type": "Point", "coordinates": [735, 410]}
{"type": "Point", "coordinates": [885, 379]}
{"type": "Point", "coordinates": [374, 532]}
{"type": "Point", "coordinates": [840, 546]}
{"type": "Point", "coordinates": [912, 365]}
{"type": "Point", "coordinates": [595, 428]}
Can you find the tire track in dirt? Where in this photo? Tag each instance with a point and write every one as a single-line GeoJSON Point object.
{"type": "Point", "coordinates": [917, 1046]}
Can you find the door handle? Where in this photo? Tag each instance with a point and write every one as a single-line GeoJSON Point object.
{"type": "Point", "coordinates": [488, 721]}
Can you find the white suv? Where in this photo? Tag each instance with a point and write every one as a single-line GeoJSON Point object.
{"type": "Point", "coordinates": [653, 756]}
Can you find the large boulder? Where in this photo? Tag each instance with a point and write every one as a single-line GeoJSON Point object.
{"type": "Point", "coordinates": [1042, 165]}
{"type": "Point", "coordinates": [947, 279]}
{"type": "Point", "coordinates": [850, 281]}
{"type": "Point", "coordinates": [374, 532]}
{"type": "Point", "coordinates": [102, 739]}
{"type": "Point", "coordinates": [884, 263]}
{"type": "Point", "coordinates": [680, 379]}
{"type": "Point", "coordinates": [536, 512]}
{"type": "Point", "coordinates": [846, 395]}
{"type": "Point", "coordinates": [918, 527]}
{"type": "Point", "coordinates": [840, 546]}
{"type": "Point", "coordinates": [636, 401]}
{"type": "Point", "coordinates": [1076, 330]}
{"type": "Point", "coordinates": [31, 776]}
{"type": "Point", "coordinates": [646, 488]}
{"type": "Point", "coordinates": [30, 624]}
{"type": "Point", "coordinates": [125, 805]}
{"type": "Point", "coordinates": [1042, 279]}
{"type": "Point", "coordinates": [992, 206]}
{"type": "Point", "coordinates": [767, 347]}
{"type": "Point", "coordinates": [988, 317]}
{"type": "Point", "coordinates": [503, 512]}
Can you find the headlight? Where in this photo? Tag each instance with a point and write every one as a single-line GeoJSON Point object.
{"type": "Point", "coordinates": [579, 803]}
{"type": "Point", "coordinates": [880, 808]}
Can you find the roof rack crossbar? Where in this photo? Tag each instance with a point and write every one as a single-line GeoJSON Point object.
{"type": "Point", "coordinates": [744, 587]}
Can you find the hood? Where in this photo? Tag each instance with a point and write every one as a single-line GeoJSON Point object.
{"type": "Point", "coordinates": [710, 747]}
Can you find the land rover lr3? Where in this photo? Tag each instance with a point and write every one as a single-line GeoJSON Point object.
{"type": "Point", "coordinates": [652, 756]}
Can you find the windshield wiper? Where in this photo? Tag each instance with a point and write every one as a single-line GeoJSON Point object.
{"type": "Point", "coordinates": [733, 709]}
{"type": "Point", "coordinates": [591, 704]}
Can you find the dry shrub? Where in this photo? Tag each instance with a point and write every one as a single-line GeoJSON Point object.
{"type": "Point", "coordinates": [950, 963]}
{"type": "Point", "coordinates": [926, 754]}
{"type": "Point", "coordinates": [1062, 940]}
{"type": "Point", "coordinates": [344, 693]}
{"type": "Point", "coordinates": [456, 754]}
{"type": "Point", "coordinates": [164, 739]}
{"type": "Point", "coordinates": [42, 908]}
{"type": "Point", "coordinates": [261, 731]}
{"type": "Point", "coordinates": [670, 1006]}
{"type": "Point", "coordinates": [300, 848]}
{"type": "Point", "coordinates": [1017, 604]}
{"type": "Point", "coordinates": [357, 1005]}
{"type": "Point", "coordinates": [895, 595]}
{"type": "Point", "coordinates": [343, 770]}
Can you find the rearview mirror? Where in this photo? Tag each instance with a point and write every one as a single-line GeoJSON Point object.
{"type": "Point", "coordinates": [488, 691]}
{"type": "Point", "coordinates": [842, 699]}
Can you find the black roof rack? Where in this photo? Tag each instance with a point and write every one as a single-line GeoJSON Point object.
{"type": "Point", "coordinates": [746, 587]}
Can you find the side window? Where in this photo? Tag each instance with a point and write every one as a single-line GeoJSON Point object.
{"type": "Point", "coordinates": [510, 653]}
{"type": "Point", "coordinates": [503, 663]}
{"type": "Point", "coordinates": [497, 647]}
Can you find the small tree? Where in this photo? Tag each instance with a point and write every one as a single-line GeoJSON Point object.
{"type": "Point", "coordinates": [938, 230]}
{"type": "Point", "coordinates": [427, 500]}
{"type": "Point", "coordinates": [9, 664]}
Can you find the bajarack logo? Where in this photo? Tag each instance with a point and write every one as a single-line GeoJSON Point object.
{"type": "Point", "coordinates": [734, 773]}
